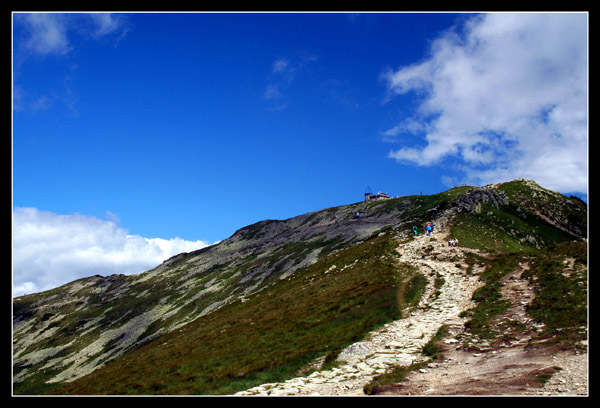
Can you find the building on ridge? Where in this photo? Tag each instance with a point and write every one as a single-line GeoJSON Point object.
{"type": "Point", "coordinates": [376, 197]}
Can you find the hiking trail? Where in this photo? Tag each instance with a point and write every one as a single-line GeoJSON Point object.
{"type": "Point", "coordinates": [398, 343]}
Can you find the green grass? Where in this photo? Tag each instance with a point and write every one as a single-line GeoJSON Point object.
{"type": "Point", "coordinates": [514, 234]}
{"type": "Point", "coordinates": [561, 294]}
{"type": "Point", "coordinates": [503, 230]}
{"type": "Point", "coordinates": [516, 226]}
{"type": "Point", "coordinates": [432, 348]}
{"type": "Point", "coordinates": [395, 375]}
{"type": "Point", "coordinates": [160, 289]}
{"type": "Point", "coordinates": [490, 302]}
{"type": "Point", "coordinates": [541, 377]}
{"type": "Point", "coordinates": [272, 335]}
{"type": "Point", "coordinates": [561, 299]}
{"type": "Point", "coordinates": [413, 290]}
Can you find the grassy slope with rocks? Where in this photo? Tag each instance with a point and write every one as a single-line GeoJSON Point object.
{"type": "Point", "coordinates": [68, 332]}
{"type": "Point", "coordinates": [262, 304]}
{"type": "Point", "coordinates": [528, 326]}
{"type": "Point", "coordinates": [314, 312]}
{"type": "Point", "coordinates": [531, 242]}
{"type": "Point", "coordinates": [543, 230]}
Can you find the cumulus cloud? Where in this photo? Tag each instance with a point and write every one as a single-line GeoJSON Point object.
{"type": "Point", "coordinates": [51, 249]}
{"type": "Point", "coordinates": [502, 96]}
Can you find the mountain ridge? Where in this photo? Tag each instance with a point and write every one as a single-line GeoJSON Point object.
{"type": "Point", "coordinates": [61, 335]}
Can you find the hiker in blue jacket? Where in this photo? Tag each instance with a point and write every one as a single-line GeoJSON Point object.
{"type": "Point", "coordinates": [429, 228]}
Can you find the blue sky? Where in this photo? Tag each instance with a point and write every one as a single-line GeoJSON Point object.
{"type": "Point", "coordinates": [156, 133]}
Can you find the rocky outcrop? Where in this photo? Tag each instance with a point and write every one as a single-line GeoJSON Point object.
{"type": "Point", "coordinates": [473, 200]}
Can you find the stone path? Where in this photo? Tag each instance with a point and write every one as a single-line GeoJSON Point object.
{"type": "Point", "coordinates": [399, 342]}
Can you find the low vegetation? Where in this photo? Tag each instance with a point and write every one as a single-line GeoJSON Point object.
{"type": "Point", "coordinates": [316, 312]}
{"type": "Point", "coordinates": [561, 294]}
{"type": "Point", "coordinates": [560, 279]}
{"type": "Point", "coordinates": [515, 234]}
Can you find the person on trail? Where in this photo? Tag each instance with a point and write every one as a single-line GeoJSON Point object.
{"type": "Point", "coordinates": [428, 228]}
{"type": "Point", "coordinates": [415, 230]}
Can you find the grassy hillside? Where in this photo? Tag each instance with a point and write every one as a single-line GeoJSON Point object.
{"type": "Point", "coordinates": [316, 312]}
{"type": "Point", "coordinates": [67, 332]}
{"type": "Point", "coordinates": [531, 219]}
{"type": "Point", "coordinates": [558, 274]}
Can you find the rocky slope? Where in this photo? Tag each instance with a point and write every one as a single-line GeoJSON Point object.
{"type": "Point", "coordinates": [64, 334]}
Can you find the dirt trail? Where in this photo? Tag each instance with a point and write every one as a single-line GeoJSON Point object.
{"type": "Point", "coordinates": [399, 342]}
{"type": "Point", "coordinates": [505, 370]}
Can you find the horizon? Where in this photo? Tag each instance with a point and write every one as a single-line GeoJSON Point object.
{"type": "Point", "coordinates": [137, 136]}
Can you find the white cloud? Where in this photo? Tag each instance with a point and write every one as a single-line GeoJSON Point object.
{"type": "Point", "coordinates": [52, 33]}
{"type": "Point", "coordinates": [47, 33]}
{"type": "Point", "coordinates": [106, 23]}
{"type": "Point", "coordinates": [41, 35]}
{"type": "Point", "coordinates": [280, 65]}
{"type": "Point", "coordinates": [272, 92]}
{"type": "Point", "coordinates": [408, 126]}
{"type": "Point", "coordinates": [283, 74]}
{"type": "Point", "coordinates": [506, 95]}
{"type": "Point", "coordinates": [51, 249]}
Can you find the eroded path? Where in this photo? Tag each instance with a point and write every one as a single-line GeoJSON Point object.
{"type": "Point", "coordinates": [506, 368]}
{"type": "Point", "coordinates": [398, 343]}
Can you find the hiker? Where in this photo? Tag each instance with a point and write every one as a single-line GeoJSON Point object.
{"type": "Point", "coordinates": [428, 228]}
{"type": "Point", "coordinates": [455, 242]}
{"type": "Point", "coordinates": [415, 230]}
